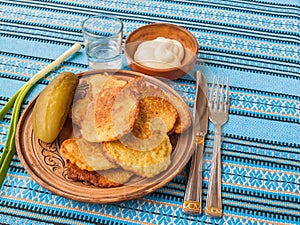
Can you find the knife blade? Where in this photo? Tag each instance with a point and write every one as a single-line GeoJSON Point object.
{"type": "Point", "coordinates": [192, 203]}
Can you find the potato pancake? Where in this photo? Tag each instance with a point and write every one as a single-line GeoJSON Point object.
{"type": "Point", "coordinates": [87, 156]}
{"type": "Point", "coordinates": [183, 121]}
{"type": "Point", "coordinates": [116, 110]}
{"type": "Point", "coordinates": [143, 163]}
{"type": "Point", "coordinates": [103, 179]}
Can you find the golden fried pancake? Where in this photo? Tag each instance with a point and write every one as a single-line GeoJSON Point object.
{"type": "Point", "coordinates": [104, 179]}
{"type": "Point", "coordinates": [150, 90]}
{"type": "Point", "coordinates": [143, 163]}
{"type": "Point", "coordinates": [79, 109]}
{"type": "Point", "coordinates": [88, 128]}
{"type": "Point", "coordinates": [117, 175]}
{"type": "Point", "coordinates": [152, 108]}
{"type": "Point", "coordinates": [116, 110]}
{"type": "Point", "coordinates": [97, 82]}
{"type": "Point", "coordinates": [114, 82]}
{"type": "Point", "coordinates": [156, 118]}
{"type": "Point", "coordinates": [85, 155]}
{"type": "Point", "coordinates": [183, 121]}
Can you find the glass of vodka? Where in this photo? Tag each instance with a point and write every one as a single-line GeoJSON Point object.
{"type": "Point", "coordinates": [103, 41]}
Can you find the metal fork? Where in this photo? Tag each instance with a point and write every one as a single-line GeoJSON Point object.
{"type": "Point", "coordinates": [218, 114]}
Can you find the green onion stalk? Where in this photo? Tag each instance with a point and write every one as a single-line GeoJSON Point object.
{"type": "Point", "coordinates": [16, 102]}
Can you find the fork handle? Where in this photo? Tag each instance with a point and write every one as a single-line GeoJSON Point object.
{"type": "Point", "coordinates": [214, 198]}
{"type": "Point", "coordinates": [192, 203]}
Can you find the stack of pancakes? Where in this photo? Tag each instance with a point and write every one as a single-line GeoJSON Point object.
{"type": "Point", "coordinates": [122, 130]}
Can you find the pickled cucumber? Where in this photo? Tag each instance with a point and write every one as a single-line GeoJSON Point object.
{"type": "Point", "coordinates": [52, 106]}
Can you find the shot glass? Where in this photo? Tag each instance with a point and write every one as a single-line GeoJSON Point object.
{"type": "Point", "coordinates": [103, 41]}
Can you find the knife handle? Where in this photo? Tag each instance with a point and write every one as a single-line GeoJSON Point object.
{"type": "Point", "coordinates": [192, 203]}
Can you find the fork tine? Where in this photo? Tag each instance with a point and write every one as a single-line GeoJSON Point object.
{"type": "Point", "coordinates": [210, 101]}
{"type": "Point", "coordinates": [222, 94]}
{"type": "Point", "coordinates": [217, 94]}
{"type": "Point", "coordinates": [227, 95]}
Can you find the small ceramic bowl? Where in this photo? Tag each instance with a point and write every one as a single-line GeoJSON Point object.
{"type": "Point", "coordinates": [166, 30]}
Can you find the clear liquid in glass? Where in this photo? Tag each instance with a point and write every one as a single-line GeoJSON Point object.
{"type": "Point", "coordinates": [104, 56]}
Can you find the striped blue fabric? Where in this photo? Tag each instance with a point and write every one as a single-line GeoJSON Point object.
{"type": "Point", "coordinates": [255, 43]}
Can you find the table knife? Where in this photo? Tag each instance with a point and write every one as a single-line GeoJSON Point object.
{"type": "Point", "coordinates": [193, 195]}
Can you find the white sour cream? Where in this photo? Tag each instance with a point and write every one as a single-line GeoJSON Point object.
{"type": "Point", "coordinates": [160, 53]}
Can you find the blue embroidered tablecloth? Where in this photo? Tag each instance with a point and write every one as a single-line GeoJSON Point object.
{"type": "Point", "coordinates": [255, 43]}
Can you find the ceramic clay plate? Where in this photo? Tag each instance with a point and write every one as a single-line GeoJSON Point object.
{"type": "Point", "coordinates": [46, 166]}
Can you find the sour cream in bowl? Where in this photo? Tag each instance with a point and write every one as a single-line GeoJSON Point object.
{"type": "Point", "coordinates": [160, 53]}
{"type": "Point", "coordinates": [161, 49]}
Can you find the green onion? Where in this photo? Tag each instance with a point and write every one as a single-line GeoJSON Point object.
{"type": "Point", "coordinates": [16, 102]}
{"type": "Point", "coordinates": [8, 105]}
